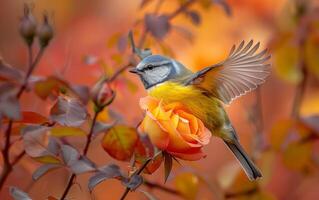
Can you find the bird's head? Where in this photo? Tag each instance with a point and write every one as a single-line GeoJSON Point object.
{"type": "Point", "coordinates": [155, 69]}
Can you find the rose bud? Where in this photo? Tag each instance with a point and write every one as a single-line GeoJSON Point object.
{"type": "Point", "coordinates": [102, 94]}
{"type": "Point", "coordinates": [28, 26]}
{"type": "Point", "coordinates": [45, 32]}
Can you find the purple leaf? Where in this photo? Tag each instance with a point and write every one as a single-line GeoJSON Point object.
{"type": "Point", "coordinates": [77, 163]}
{"type": "Point", "coordinates": [158, 25]}
{"type": "Point", "coordinates": [134, 182]}
{"type": "Point", "coordinates": [36, 141]}
{"type": "Point", "coordinates": [10, 106]}
{"type": "Point", "coordinates": [224, 5]}
{"type": "Point", "coordinates": [68, 112]}
{"type": "Point", "coordinates": [18, 194]}
{"type": "Point", "coordinates": [39, 172]}
{"type": "Point", "coordinates": [106, 172]}
{"type": "Point", "coordinates": [101, 127]}
{"type": "Point", "coordinates": [9, 73]}
{"type": "Point", "coordinates": [82, 92]}
{"type": "Point", "coordinates": [122, 43]}
{"type": "Point", "coordinates": [194, 16]}
{"type": "Point", "coordinates": [312, 122]}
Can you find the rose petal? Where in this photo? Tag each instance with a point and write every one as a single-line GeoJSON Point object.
{"type": "Point", "coordinates": [158, 137]}
{"type": "Point", "coordinates": [191, 156]}
{"type": "Point", "coordinates": [149, 103]}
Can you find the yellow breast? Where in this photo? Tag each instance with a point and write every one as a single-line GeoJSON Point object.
{"type": "Point", "coordinates": [206, 108]}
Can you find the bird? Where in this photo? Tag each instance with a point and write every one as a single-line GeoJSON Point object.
{"type": "Point", "coordinates": [205, 93]}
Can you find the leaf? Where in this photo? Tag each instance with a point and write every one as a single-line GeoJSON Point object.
{"type": "Point", "coordinates": [120, 141]}
{"type": "Point", "coordinates": [224, 5]}
{"type": "Point", "coordinates": [241, 184]}
{"type": "Point", "coordinates": [9, 73]}
{"type": "Point", "coordinates": [312, 122]}
{"type": "Point", "coordinates": [158, 25]}
{"type": "Point", "coordinates": [39, 145]}
{"type": "Point", "coordinates": [297, 156]}
{"type": "Point", "coordinates": [52, 198]}
{"type": "Point", "coordinates": [122, 43]}
{"type": "Point", "coordinates": [194, 17]}
{"type": "Point", "coordinates": [63, 131]}
{"type": "Point", "coordinates": [39, 172]}
{"type": "Point", "coordinates": [144, 3]}
{"type": "Point", "coordinates": [279, 133]}
{"type": "Point", "coordinates": [311, 53]}
{"type": "Point", "coordinates": [106, 172]}
{"type": "Point", "coordinates": [77, 163]}
{"type": "Point", "coordinates": [9, 104]}
{"type": "Point", "coordinates": [100, 127]}
{"type": "Point", "coordinates": [68, 112]}
{"type": "Point", "coordinates": [134, 182]}
{"type": "Point", "coordinates": [82, 92]}
{"type": "Point", "coordinates": [148, 195]}
{"type": "Point", "coordinates": [18, 194]}
{"type": "Point", "coordinates": [286, 60]}
{"type": "Point", "coordinates": [168, 164]}
{"type": "Point", "coordinates": [30, 117]}
{"type": "Point", "coordinates": [48, 159]}
{"type": "Point", "coordinates": [144, 150]}
{"type": "Point", "coordinates": [43, 88]}
{"type": "Point", "coordinates": [187, 184]}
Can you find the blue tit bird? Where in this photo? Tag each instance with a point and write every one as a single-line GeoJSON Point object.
{"type": "Point", "coordinates": [205, 92]}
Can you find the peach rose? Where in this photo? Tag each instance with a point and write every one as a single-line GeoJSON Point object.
{"type": "Point", "coordinates": [173, 129]}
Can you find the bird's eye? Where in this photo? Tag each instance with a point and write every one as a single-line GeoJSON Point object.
{"type": "Point", "coordinates": [149, 67]}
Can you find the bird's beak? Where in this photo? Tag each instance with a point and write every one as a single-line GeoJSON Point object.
{"type": "Point", "coordinates": [134, 70]}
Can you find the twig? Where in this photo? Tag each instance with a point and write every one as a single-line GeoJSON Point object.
{"type": "Point", "coordinates": [160, 187]}
{"type": "Point", "coordinates": [181, 9]}
{"type": "Point", "coordinates": [300, 91]}
{"type": "Point", "coordinates": [138, 172]}
{"type": "Point", "coordinates": [7, 166]}
{"type": "Point", "coordinates": [258, 122]}
{"type": "Point", "coordinates": [85, 150]}
{"type": "Point", "coordinates": [30, 70]}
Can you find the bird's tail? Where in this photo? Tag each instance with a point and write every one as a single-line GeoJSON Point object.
{"type": "Point", "coordinates": [247, 164]}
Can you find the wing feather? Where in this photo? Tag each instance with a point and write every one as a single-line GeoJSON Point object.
{"type": "Point", "coordinates": [241, 72]}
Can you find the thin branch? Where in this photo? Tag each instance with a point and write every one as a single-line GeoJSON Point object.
{"type": "Point", "coordinates": [119, 71]}
{"type": "Point", "coordinates": [181, 9]}
{"type": "Point", "coordinates": [30, 70]}
{"type": "Point", "coordinates": [153, 185]}
{"type": "Point", "coordinates": [85, 150]}
{"type": "Point", "coordinates": [7, 166]}
{"type": "Point", "coordinates": [138, 172]}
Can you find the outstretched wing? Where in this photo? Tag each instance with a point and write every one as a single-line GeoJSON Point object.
{"type": "Point", "coordinates": [241, 72]}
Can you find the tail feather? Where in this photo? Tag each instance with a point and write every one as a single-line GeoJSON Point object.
{"type": "Point", "coordinates": [247, 164]}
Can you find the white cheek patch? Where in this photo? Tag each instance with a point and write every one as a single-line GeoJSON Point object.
{"type": "Point", "coordinates": [157, 75]}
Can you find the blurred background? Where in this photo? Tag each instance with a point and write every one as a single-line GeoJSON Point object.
{"type": "Point", "coordinates": [85, 46]}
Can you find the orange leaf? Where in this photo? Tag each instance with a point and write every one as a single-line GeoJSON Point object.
{"type": "Point", "coordinates": [120, 141]}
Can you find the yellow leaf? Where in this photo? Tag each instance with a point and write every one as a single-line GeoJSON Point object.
{"type": "Point", "coordinates": [279, 133]}
{"type": "Point", "coordinates": [286, 60]}
{"type": "Point", "coordinates": [188, 185]}
{"type": "Point", "coordinates": [120, 141]}
{"type": "Point", "coordinates": [67, 131]}
{"type": "Point", "coordinates": [297, 156]}
{"type": "Point", "coordinates": [47, 159]}
{"type": "Point", "coordinates": [242, 184]}
{"type": "Point", "coordinates": [312, 52]}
